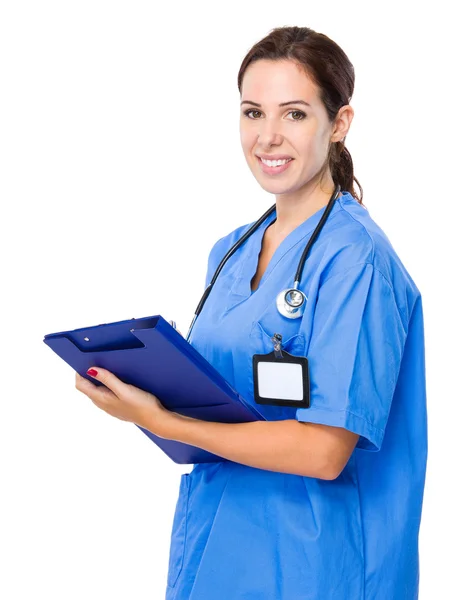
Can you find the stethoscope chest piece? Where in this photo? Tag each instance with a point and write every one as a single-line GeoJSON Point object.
{"type": "Point", "coordinates": [291, 303]}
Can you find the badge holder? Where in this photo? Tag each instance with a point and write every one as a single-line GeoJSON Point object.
{"type": "Point", "coordinates": [280, 378]}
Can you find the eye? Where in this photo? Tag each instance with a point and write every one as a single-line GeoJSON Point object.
{"type": "Point", "coordinates": [300, 112]}
{"type": "Point", "coordinates": [249, 110]}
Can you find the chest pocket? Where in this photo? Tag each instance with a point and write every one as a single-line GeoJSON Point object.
{"type": "Point", "coordinates": [263, 330]}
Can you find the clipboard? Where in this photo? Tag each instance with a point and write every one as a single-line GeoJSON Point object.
{"type": "Point", "coordinates": [151, 354]}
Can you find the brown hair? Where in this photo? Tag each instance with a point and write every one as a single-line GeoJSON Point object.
{"type": "Point", "coordinates": [330, 69]}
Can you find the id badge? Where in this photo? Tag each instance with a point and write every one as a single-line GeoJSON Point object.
{"type": "Point", "coordinates": [281, 378]}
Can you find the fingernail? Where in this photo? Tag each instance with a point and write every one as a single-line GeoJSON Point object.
{"type": "Point", "coordinates": [92, 372]}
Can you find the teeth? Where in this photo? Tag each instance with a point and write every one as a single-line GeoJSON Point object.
{"type": "Point", "coordinates": [275, 163]}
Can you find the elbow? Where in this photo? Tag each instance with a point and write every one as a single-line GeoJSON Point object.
{"type": "Point", "coordinates": [327, 474]}
{"type": "Point", "coordinates": [329, 470]}
{"type": "Point", "coordinates": [335, 467]}
{"type": "Point", "coordinates": [332, 472]}
{"type": "Point", "coordinates": [327, 450]}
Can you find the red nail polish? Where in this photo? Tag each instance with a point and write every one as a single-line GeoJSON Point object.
{"type": "Point", "coordinates": [92, 372]}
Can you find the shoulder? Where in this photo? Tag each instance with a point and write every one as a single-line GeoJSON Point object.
{"type": "Point", "coordinates": [353, 238]}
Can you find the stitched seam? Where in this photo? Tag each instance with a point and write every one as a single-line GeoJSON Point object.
{"type": "Point", "coordinates": [365, 262]}
{"type": "Point", "coordinates": [383, 277]}
{"type": "Point", "coordinates": [187, 483]}
{"type": "Point", "coordinates": [373, 256]}
{"type": "Point", "coordinates": [349, 412]}
{"type": "Point", "coordinates": [362, 530]}
{"type": "Point", "coordinates": [365, 229]}
{"type": "Point", "coordinates": [394, 299]}
{"type": "Point", "coordinates": [330, 218]}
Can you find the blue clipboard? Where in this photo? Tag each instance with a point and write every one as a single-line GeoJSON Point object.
{"type": "Point", "coordinates": [152, 355]}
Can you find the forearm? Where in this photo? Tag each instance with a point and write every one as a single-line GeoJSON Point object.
{"type": "Point", "coordinates": [285, 446]}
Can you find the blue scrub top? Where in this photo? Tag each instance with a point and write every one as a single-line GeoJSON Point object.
{"type": "Point", "coordinates": [245, 533]}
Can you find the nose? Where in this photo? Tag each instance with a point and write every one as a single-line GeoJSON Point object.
{"type": "Point", "coordinates": [269, 134]}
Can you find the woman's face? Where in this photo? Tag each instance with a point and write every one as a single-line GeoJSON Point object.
{"type": "Point", "coordinates": [300, 130]}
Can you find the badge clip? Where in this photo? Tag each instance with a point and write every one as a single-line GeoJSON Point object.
{"type": "Point", "coordinates": [277, 339]}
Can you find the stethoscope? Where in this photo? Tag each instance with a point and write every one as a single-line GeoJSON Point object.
{"type": "Point", "coordinates": [291, 301]}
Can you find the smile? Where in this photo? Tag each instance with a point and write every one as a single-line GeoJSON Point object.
{"type": "Point", "coordinates": [281, 166]}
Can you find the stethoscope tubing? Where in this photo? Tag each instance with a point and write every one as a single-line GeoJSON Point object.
{"type": "Point", "coordinates": [248, 233]}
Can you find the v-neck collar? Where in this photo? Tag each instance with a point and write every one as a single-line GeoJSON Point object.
{"type": "Point", "coordinates": [241, 286]}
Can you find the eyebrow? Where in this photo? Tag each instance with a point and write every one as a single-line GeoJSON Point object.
{"type": "Point", "coordinates": [281, 104]}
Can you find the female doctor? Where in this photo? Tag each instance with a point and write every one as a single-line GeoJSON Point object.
{"type": "Point", "coordinates": [321, 500]}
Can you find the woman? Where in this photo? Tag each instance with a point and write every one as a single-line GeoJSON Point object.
{"type": "Point", "coordinates": [323, 501]}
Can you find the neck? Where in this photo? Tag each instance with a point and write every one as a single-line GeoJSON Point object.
{"type": "Point", "coordinates": [295, 208]}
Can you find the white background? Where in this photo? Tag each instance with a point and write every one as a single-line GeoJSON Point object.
{"type": "Point", "coordinates": [121, 165]}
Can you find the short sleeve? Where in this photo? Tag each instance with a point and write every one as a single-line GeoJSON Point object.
{"type": "Point", "coordinates": [354, 354]}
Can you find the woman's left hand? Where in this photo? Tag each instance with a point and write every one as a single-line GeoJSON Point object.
{"type": "Point", "coordinates": [124, 401]}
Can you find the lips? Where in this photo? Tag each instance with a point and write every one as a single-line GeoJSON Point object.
{"type": "Point", "coordinates": [274, 170]}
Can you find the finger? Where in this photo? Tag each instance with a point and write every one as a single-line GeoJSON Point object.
{"type": "Point", "coordinates": [79, 379]}
{"type": "Point", "coordinates": [110, 380]}
{"type": "Point", "coordinates": [105, 407]}
{"type": "Point", "coordinates": [98, 394]}
{"type": "Point", "coordinates": [83, 384]}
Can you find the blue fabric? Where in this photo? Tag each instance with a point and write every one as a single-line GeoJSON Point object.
{"type": "Point", "coordinates": [252, 534]}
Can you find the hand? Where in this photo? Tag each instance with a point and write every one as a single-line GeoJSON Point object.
{"type": "Point", "coordinates": [124, 401]}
